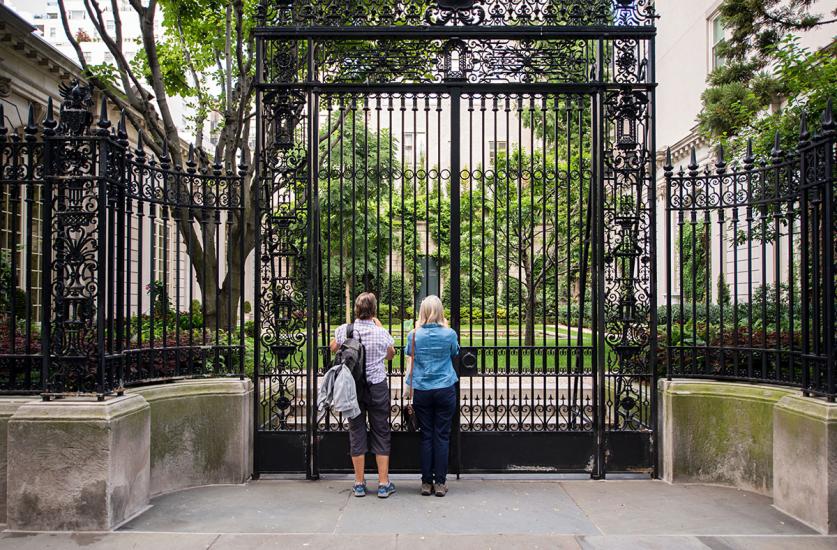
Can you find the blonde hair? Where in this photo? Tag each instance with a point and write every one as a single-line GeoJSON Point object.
{"type": "Point", "coordinates": [431, 311]}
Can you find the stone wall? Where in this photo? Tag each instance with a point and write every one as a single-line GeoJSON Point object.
{"type": "Point", "coordinates": [765, 439]}
{"type": "Point", "coordinates": [805, 461]}
{"type": "Point", "coordinates": [201, 433]}
{"type": "Point", "coordinates": [716, 432]}
{"type": "Point", "coordinates": [8, 406]}
{"type": "Point", "coordinates": [81, 464]}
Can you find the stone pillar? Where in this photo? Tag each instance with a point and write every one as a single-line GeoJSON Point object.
{"type": "Point", "coordinates": [805, 461]}
{"type": "Point", "coordinates": [8, 406]}
{"type": "Point", "coordinates": [77, 464]}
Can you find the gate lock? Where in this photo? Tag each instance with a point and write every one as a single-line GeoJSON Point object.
{"type": "Point", "coordinates": [466, 362]}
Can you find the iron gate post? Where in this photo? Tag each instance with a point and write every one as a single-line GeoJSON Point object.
{"type": "Point", "coordinates": [312, 469]}
{"type": "Point", "coordinates": [455, 251]}
{"type": "Point", "coordinates": [598, 267]}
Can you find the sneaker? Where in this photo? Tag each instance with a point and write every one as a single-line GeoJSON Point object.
{"type": "Point", "coordinates": [441, 490]}
{"type": "Point", "coordinates": [385, 490]}
{"type": "Point", "coordinates": [426, 489]}
{"type": "Point", "coordinates": [359, 489]}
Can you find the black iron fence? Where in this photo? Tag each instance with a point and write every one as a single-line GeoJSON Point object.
{"type": "Point", "coordinates": [114, 265]}
{"type": "Point", "coordinates": [751, 249]}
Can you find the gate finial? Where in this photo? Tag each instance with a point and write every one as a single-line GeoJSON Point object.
{"type": "Point", "coordinates": [804, 135]}
{"type": "Point", "coordinates": [693, 165]}
{"type": "Point", "coordinates": [31, 128]}
{"type": "Point", "coordinates": [49, 120]}
{"type": "Point", "coordinates": [776, 153]}
{"type": "Point", "coordinates": [828, 117]}
{"type": "Point", "coordinates": [104, 122]}
{"type": "Point", "coordinates": [749, 159]}
{"type": "Point", "coordinates": [720, 164]}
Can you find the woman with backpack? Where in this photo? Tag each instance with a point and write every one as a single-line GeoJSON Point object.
{"type": "Point", "coordinates": [432, 386]}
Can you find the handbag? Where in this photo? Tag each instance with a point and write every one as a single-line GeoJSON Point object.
{"type": "Point", "coordinates": [409, 419]}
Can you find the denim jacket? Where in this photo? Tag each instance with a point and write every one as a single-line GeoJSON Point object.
{"type": "Point", "coordinates": [436, 346]}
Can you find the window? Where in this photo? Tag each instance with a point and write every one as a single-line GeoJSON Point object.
{"type": "Point", "coordinates": [496, 148]}
{"type": "Point", "coordinates": [413, 147]}
{"type": "Point", "coordinates": [109, 58]}
{"type": "Point", "coordinates": [52, 32]}
{"type": "Point", "coordinates": [76, 14]}
{"type": "Point", "coordinates": [110, 26]}
{"type": "Point", "coordinates": [716, 37]}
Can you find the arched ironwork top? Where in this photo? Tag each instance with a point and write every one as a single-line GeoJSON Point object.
{"type": "Point", "coordinates": [455, 13]}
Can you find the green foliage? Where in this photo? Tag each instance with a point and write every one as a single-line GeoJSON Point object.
{"type": "Point", "coordinates": [756, 27]}
{"type": "Point", "coordinates": [160, 300]}
{"type": "Point", "coordinates": [352, 173]}
{"type": "Point", "coordinates": [724, 295]}
{"type": "Point", "coordinates": [768, 80]}
{"type": "Point", "coordinates": [9, 292]}
{"type": "Point", "coordinates": [758, 313]}
{"type": "Point", "coordinates": [693, 245]}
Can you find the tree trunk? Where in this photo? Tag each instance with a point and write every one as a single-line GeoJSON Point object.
{"type": "Point", "coordinates": [348, 297]}
{"type": "Point", "coordinates": [531, 302]}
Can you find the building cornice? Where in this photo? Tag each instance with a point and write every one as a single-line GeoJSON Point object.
{"type": "Point", "coordinates": [19, 35]}
{"type": "Point", "coordinates": [682, 148]}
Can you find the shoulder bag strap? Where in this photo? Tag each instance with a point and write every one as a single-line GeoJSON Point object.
{"type": "Point", "coordinates": [412, 365]}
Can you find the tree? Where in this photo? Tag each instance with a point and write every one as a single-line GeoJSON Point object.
{"type": "Point", "coordinates": [536, 229]}
{"type": "Point", "coordinates": [355, 224]}
{"type": "Point", "coordinates": [215, 71]}
{"type": "Point", "coordinates": [767, 79]}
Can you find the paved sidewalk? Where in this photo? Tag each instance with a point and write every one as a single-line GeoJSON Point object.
{"type": "Point", "coordinates": [476, 514]}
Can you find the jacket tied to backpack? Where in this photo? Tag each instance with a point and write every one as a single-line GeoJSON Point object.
{"type": "Point", "coordinates": [338, 392]}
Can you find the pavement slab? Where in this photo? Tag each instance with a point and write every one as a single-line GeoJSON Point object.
{"type": "Point", "coordinates": [472, 507]}
{"type": "Point", "coordinates": [257, 507]}
{"type": "Point", "coordinates": [317, 541]}
{"type": "Point", "coordinates": [658, 508]}
{"type": "Point", "coordinates": [478, 514]}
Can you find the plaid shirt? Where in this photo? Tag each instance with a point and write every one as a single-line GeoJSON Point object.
{"type": "Point", "coordinates": [376, 340]}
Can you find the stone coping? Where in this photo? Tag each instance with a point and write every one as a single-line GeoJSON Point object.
{"type": "Point", "coordinates": [80, 409]}
{"type": "Point", "coordinates": [726, 390]}
{"type": "Point", "coordinates": [194, 387]}
{"type": "Point", "coordinates": [9, 404]}
{"type": "Point", "coordinates": [811, 407]}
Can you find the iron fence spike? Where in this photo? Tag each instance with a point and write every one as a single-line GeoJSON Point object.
{"type": "Point", "coordinates": [804, 135]}
{"type": "Point", "coordinates": [828, 116]}
{"type": "Point", "coordinates": [776, 152]}
{"type": "Point", "coordinates": [31, 128]}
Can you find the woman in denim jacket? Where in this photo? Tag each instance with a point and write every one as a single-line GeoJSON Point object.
{"type": "Point", "coordinates": [433, 381]}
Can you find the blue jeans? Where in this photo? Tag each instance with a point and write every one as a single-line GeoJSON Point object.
{"type": "Point", "coordinates": [435, 409]}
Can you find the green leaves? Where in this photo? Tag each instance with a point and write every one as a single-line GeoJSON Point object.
{"type": "Point", "coordinates": [743, 102]}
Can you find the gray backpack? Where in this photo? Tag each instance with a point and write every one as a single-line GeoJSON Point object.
{"type": "Point", "coordinates": [352, 353]}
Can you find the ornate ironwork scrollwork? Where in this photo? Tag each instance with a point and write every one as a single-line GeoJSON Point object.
{"type": "Point", "coordinates": [457, 13]}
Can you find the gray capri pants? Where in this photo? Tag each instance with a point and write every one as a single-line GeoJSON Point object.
{"type": "Point", "coordinates": [377, 407]}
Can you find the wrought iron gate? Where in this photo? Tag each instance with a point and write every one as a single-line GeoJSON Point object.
{"type": "Point", "coordinates": [498, 154]}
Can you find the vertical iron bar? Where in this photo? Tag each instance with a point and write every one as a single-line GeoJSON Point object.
{"type": "Point", "coordinates": [455, 268]}
{"type": "Point", "coordinates": [50, 162]}
{"type": "Point", "coordinates": [101, 274]}
{"type": "Point", "coordinates": [598, 266]}
{"type": "Point", "coordinates": [312, 466]}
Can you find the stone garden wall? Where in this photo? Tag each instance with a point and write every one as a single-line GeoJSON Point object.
{"type": "Point", "coordinates": [80, 464]}
{"type": "Point", "coordinates": [764, 439]}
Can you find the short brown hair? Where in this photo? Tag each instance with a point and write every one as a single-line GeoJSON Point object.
{"type": "Point", "coordinates": [366, 306]}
